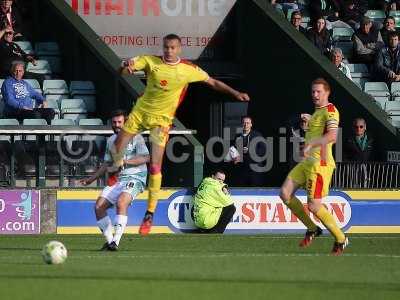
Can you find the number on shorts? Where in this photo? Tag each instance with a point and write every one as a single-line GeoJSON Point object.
{"type": "Point", "coordinates": [130, 185]}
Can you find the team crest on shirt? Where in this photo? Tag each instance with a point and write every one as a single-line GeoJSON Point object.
{"type": "Point", "coordinates": [163, 82]}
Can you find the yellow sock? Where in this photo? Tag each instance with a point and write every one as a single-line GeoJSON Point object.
{"type": "Point", "coordinates": [154, 189]}
{"type": "Point", "coordinates": [297, 208]}
{"type": "Point", "coordinates": [327, 219]}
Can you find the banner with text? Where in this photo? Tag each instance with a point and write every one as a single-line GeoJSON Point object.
{"type": "Point", "coordinates": [257, 211]}
{"type": "Point", "coordinates": [134, 27]}
{"type": "Point", "coordinates": [19, 212]}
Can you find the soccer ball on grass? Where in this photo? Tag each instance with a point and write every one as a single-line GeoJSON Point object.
{"type": "Point", "coordinates": [54, 253]}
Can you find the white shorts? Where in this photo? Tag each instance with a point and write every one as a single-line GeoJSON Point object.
{"type": "Point", "coordinates": [132, 187]}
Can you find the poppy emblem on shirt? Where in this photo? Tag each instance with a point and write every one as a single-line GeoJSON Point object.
{"type": "Point", "coordinates": [163, 82]}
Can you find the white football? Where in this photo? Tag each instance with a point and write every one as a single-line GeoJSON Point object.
{"type": "Point", "coordinates": [54, 253]}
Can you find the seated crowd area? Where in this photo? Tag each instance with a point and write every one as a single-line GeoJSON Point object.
{"type": "Point", "coordinates": [360, 37]}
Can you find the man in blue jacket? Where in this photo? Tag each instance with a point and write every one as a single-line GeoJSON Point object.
{"type": "Point", "coordinates": [21, 100]}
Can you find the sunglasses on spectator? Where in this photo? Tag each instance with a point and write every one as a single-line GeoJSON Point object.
{"type": "Point", "coordinates": [9, 32]}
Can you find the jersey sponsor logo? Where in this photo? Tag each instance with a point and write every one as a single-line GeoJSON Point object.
{"type": "Point", "coordinates": [259, 212]}
{"type": "Point", "coordinates": [163, 82]}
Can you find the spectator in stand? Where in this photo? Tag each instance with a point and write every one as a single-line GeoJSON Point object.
{"type": "Point", "coordinates": [21, 100]}
{"type": "Point", "coordinates": [324, 8]}
{"type": "Point", "coordinates": [360, 146]}
{"type": "Point", "coordinates": [366, 42]}
{"type": "Point", "coordinates": [387, 64]}
{"type": "Point", "coordinates": [10, 51]}
{"type": "Point", "coordinates": [248, 163]}
{"type": "Point", "coordinates": [350, 14]}
{"type": "Point", "coordinates": [337, 59]}
{"type": "Point", "coordinates": [320, 36]}
{"type": "Point", "coordinates": [295, 19]}
{"type": "Point", "coordinates": [9, 17]}
{"type": "Point", "coordinates": [389, 25]}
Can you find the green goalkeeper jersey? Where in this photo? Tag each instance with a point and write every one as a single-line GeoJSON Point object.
{"type": "Point", "coordinates": [209, 201]}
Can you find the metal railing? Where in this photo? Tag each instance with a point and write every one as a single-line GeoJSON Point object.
{"type": "Point", "coordinates": [369, 175]}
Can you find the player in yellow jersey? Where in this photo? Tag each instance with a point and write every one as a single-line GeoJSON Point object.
{"type": "Point", "coordinates": [315, 171]}
{"type": "Point", "coordinates": [167, 80]}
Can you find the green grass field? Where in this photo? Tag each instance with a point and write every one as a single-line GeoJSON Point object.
{"type": "Point", "coordinates": [201, 267]}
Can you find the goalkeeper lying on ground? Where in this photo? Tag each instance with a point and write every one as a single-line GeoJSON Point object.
{"type": "Point", "coordinates": [213, 206]}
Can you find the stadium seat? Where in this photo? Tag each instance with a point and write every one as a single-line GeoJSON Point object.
{"type": "Point", "coordinates": [42, 67]}
{"type": "Point", "coordinates": [54, 62]}
{"type": "Point", "coordinates": [55, 87]}
{"type": "Point", "coordinates": [34, 84]}
{"type": "Point", "coordinates": [1, 82]}
{"type": "Point", "coordinates": [37, 122]}
{"type": "Point", "coordinates": [47, 48]}
{"type": "Point", "coordinates": [90, 122]}
{"type": "Point", "coordinates": [342, 34]}
{"type": "Point", "coordinates": [379, 89]}
{"type": "Point", "coordinates": [74, 114]}
{"type": "Point", "coordinates": [396, 123]}
{"type": "Point", "coordinates": [63, 122]}
{"type": "Point", "coordinates": [376, 15]}
{"type": "Point", "coordinates": [52, 103]}
{"type": "Point", "coordinates": [72, 103]}
{"type": "Point", "coordinates": [393, 108]}
{"type": "Point", "coordinates": [395, 89]}
{"type": "Point", "coordinates": [82, 88]}
{"type": "Point", "coordinates": [57, 98]}
{"type": "Point", "coordinates": [26, 47]}
{"type": "Point", "coordinates": [90, 102]}
{"type": "Point", "coordinates": [381, 101]}
{"type": "Point", "coordinates": [358, 70]}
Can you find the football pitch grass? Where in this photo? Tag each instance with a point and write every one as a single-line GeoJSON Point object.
{"type": "Point", "coordinates": [201, 267]}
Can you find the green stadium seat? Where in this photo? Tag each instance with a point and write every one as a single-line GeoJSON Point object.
{"type": "Point", "coordinates": [54, 62]}
{"type": "Point", "coordinates": [342, 34]}
{"type": "Point", "coordinates": [26, 47]}
{"type": "Point", "coordinates": [74, 114]}
{"type": "Point", "coordinates": [379, 89]}
{"type": "Point", "coordinates": [47, 48]}
{"type": "Point", "coordinates": [395, 89]}
{"type": "Point", "coordinates": [395, 123]}
{"type": "Point", "coordinates": [393, 108]}
{"type": "Point", "coordinates": [381, 100]}
{"type": "Point", "coordinates": [55, 87]}
{"type": "Point", "coordinates": [8, 122]}
{"type": "Point", "coordinates": [62, 122]}
{"type": "Point", "coordinates": [376, 15]}
{"type": "Point", "coordinates": [34, 84]}
{"type": "Point", "coordinates": [90, 122]}
{"type": "Point", "coordinates": [37, 122]}
{"type": "Point", "coordinates": [82, 88]}
{"type": "Point", "coordinates": [42, 67]}
{"type": "Point", "coordinates": [52, 103]}
{"type": "Point", "coordinates": [72, 103]}
{"type": "Point", "coordinates": [358, 70]}
{"type": "Point", "coordinates": [90, 102]}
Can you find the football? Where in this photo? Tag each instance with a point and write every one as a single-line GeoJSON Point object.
{"type": "Point", "coordinates": [54, 253]}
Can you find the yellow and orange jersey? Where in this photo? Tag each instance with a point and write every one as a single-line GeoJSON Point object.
{"type": "Point", "coordinates": [166, 84]}
{"type": "Point", "coordinates": [324, 119]}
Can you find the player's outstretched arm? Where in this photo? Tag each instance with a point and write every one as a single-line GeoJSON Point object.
{"type": "Point", "coordinates": [224, 88]}
{"type": "Point", "coordinates": [127, 67]}
{"type": "Point", "coordinates": [100, 172]}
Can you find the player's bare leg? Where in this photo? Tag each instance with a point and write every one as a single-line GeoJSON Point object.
{"type": "Point", "coordinates": [287, 195]}
{"type": "Point", "coordinates": [319, 210]}
{"type": "Point", "coordinates": [103, 220]}
{"type": "Point", "coordinates": [121, 219]}
{"type": "Point", "coordinates": [156, 159]}
{"type": "Point", "coordinates": [118, 149]}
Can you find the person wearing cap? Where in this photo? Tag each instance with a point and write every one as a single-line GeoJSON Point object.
{"type": "Point", "coordinates": [367, 40]}
{"type": "Point", "coordinates": [11, 51]}
{"type": "Point", "coordinates": [337, 59]}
